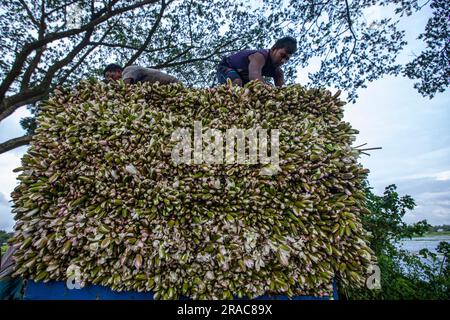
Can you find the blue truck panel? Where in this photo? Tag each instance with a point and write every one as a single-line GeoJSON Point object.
{"type": "Point", "coordinates": [57, 290]}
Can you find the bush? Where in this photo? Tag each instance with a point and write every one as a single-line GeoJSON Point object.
{"type": "Point", "coordinates": [404, 275]}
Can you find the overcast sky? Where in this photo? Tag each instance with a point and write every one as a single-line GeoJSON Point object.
{"type": "Point", "coordinates": [413, 132]}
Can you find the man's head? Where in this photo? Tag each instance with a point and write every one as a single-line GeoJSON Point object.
{"type": "Point", "coordinates": [112, 72]}
{"type": "Point", "coordinates": [282, 50]}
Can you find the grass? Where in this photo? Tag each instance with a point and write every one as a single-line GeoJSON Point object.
{"type": "Point", "coordinates": [4, 248]}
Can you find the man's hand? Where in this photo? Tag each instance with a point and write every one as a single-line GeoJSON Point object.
{"type": "Point", "coordinates": [279, 77]}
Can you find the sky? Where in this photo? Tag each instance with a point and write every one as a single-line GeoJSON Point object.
{"type": "Point", "coordinates": [413, 132]}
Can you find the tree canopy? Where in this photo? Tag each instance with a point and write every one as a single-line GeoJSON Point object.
{"type": "Point", "coordinates": [46, 43]}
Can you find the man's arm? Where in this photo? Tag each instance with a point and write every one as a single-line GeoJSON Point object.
{"type": "Point", "coordinates": [257, 62]}
{"type": "Point", "coordinates": [130, 75]}
{"type": "Point", "coordinates": [153, 75]}
{"type": "Point", "coordinates": [279, 77]}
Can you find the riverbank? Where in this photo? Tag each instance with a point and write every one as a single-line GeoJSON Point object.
{"type": "Point", "coordinates": [433, 234]}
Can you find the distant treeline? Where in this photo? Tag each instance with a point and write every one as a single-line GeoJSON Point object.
{"type": "Point", "coordinates": [444, 227]}
{"type": "Point", "coordinates": [4, 236]}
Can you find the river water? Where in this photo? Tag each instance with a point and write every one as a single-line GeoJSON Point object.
{"type": "Point", "coordinates": [414, 245]}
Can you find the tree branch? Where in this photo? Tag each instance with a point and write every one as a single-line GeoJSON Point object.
{"type": "Point", "coordinates": [37, 57]}
{"type": "Point", "coordinates": [174, 64]}
{"type": "Point", "coordinates": [67, 59]}
{"type": "Point", "coordinates": [14, 143]}
{"type": "Point", "coordinates": [168, 63]}
{"type": "Point", "coordinates": [61, 7]}
{"type": "Point", "coordinates": [124, 46]}
{"type": "Point", "coordinates": [190, 23]}
{"type": "Point", "coordinates": [27, 49]}
{"type": "Point", "coordinates": [350, 24]}
{"type": "Point", "coordinates": [22, 98]}
{"type": "Point", "coordinates": [83, 57]}
{"type": "Point", "coordinates": [149, 36]}
{"type": "Point", "coordinates": [28, 96]}
{"type": "Point", "coordinates": [28, 73]}
{"type": "Point", "coordinates": [30, 14]}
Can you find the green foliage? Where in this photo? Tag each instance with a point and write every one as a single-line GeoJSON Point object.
{"type": "Point", "coordinates": [431, 68]}
{"type": "Point", "coordinates": [29, 124]}
{"type": "Point", "coordinates": [4, 236]}
{"type": "Point", "coordinates": [404, 275]}
{"type": "Point", "coordinates": [187, 38]}
{"type": "Point", "coordinates": [55, 42]}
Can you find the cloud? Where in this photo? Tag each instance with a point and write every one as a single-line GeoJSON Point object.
{"type": "Point", "coordinates": [443, 176]}
{"type": "Point", "coordinates": [8, 162]}
{"type": "Point", "coordinates": [10, 127]}
{"type": "Point", "coordinates": [439, 153]}
{"type": "Point", "coordinates": [439, 176]}
{"type": "Point", "coordinates": [432, 198]}
{"type": "Point", "coordinates": [433, 213]}
{"type": "Point", "coordinates": [435, 195]}
{"type": "Point", "coordinates": [3, 200]}
{"type": "Point", "coordinates": [6, 218]}
{"type": "Point", "coordinates": [433, 205]}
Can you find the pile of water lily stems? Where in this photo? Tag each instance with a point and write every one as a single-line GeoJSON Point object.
{"type": "Point", "coordinates": [101, 193]}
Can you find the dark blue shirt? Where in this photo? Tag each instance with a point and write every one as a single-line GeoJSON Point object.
{"type": "Point", "coordinates": [239, 61]}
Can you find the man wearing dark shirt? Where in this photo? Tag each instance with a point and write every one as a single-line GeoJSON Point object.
{"type": "Point", "coordinates": [247, 65]}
